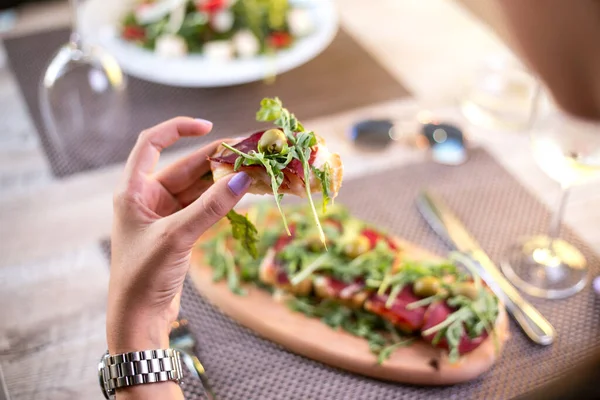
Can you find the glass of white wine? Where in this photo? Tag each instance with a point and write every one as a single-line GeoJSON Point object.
{"type": "Point", "coordinates": [567, 148]}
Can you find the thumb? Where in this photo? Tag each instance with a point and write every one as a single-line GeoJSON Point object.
{"type": "Point", "coordinates": [208, 209]}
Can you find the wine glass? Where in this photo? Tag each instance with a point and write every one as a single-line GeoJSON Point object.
{"type": "Point", "coordinates": [567, 148]}
{"type": "Point", "coordinates": [82, 99]}
{"type": "Point", "coordinates": [498, 95]}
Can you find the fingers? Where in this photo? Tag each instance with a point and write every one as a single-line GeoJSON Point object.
{"type": "Point", "coordinates": [190, 194]}
{"type": "Point", "coordinates": [186, 171]}
{"type": "Point", "coordinates": [209, 208]}
{"type": "Point", "coordinates": [152, 141]}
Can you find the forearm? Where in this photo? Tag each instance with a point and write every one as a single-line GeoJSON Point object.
{"type": "Point", "coordinates": [559, 41]}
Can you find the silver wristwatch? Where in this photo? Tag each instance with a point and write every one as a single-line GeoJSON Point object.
{"type": "Point", "coordinates": [138, 367]}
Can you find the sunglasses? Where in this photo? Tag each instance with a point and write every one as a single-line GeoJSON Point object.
{"type": "Point", "coordinates": [444, 142]}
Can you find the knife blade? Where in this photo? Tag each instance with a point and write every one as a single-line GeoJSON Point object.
{"type": "Point", "coordinates": [443, 221]}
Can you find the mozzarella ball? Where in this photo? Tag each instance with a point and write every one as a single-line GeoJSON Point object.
{"type": "Point", "coordinates": [246, 44]}
{"type": "Point", "coordinates": [219, 50]}
{"type": "Point", "coordinates": [171, 46]}
{"type": "Point", "coordinates": [300, 22]}
{"type": "Point", "coordinates": [222, 21]}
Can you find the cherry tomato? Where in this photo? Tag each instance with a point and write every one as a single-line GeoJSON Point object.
{"type": "Point", "coordinates": [134, 32]}
{"type": "Point", "coordinates": [279, 40]}
{"type": "Point", "coordinates": [210, 6]}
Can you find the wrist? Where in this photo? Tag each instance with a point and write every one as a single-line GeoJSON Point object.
{"type": "Point", "coordinates": [162, 390]}
{"type": "Point", "coordinates": [136, 331]}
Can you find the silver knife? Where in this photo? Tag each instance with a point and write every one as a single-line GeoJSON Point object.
{"type": "Point", "coordinates": [450, 228]}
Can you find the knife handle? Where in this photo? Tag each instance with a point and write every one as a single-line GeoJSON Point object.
{"type": "Point", "coordinates": [533, 323]}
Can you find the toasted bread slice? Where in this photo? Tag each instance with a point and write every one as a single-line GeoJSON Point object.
{"type": "Point", "coordinates": [294, 185]}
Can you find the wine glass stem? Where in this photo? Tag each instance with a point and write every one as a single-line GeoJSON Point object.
{"type": "Point", "coordinates": [75, 33]}
{"type": "Point", "coordinates": [554, 230]}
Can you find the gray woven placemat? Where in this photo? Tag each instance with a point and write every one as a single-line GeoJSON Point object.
{"type": "Point", "coordinates": [497, 209]}
{"type": "Point", "coordinates": [343, 77]}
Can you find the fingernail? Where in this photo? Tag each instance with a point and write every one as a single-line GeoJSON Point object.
{"type": "Point", "coordinates": [596, 285]}
{"type": "Point", "coordinates": [204, 121]}
{"type": "Point", "coordinates": [239, 183]}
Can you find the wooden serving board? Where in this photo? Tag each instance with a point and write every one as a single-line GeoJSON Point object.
{"type": "Point", "coordinates": [419, 363]}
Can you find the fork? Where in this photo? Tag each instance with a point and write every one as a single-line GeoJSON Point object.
{"type": "Point", "coordinates": [181, 338]}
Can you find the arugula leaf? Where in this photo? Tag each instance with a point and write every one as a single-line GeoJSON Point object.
{"type": "Point", "coordinates": [302, 305]}
{"type": "Point", "coordinates": [393, 295]}
{"type": "Point", "coordinates": [270, 110]}
{"type": "Point", "coordinates": [304, 160]}
{"type": "Point", "coordinates": [245, 231]}
{"type": "Point", "coordinates": [276, 181]}
{"type": "Point", "coordinates": [238, 163]}
{"type": "Point", "coordinates": [357, 322]}
{"type": "Point", "coordinates": [324, 176]}
{"type": "Point", "coordinates": [317, 264]}
{"type": "Point", "coordinates": [274, 164]}
{"type": "Point", "coordinates": [387, 351]}
{"type": "Point", "coordinates": [233, 280]}
{"type": "Point", "coordinates": [223, 264]}
{"type": "Point", "coordinates": [424, 302]}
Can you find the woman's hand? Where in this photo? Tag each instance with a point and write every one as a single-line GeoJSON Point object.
{"type": "Point", "coordinates": [157, 219]}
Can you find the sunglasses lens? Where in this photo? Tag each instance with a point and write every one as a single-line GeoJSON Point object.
{"type": "Point", "coordinates": [451, 152]}
{"type": "Point", "coordinates": [372, 134]}
{"type": "Point", "coordinates": [446, 142]}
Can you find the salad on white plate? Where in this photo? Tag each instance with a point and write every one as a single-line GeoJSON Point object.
{"type": "Point", "coordinates": [220, 30]}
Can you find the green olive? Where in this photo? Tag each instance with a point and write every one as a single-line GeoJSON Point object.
{"type": "Point", "coordinates": [360, 245]}
{"type": "Point", "coordinates": [427, 286]}
{"type": "Point", "coordinates": [273, 141]}
{"type": "Point", "coordinates": [466, 289]}
{"type": "Point", "coordinates": [315, 244]}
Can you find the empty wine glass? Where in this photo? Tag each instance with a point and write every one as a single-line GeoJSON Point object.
{"type": "Point", "coordinates": [498, 95]}
{"type": "Point", "coordinates": [567, 148]}
{"type": "Point", "coordinates": [82, 98]}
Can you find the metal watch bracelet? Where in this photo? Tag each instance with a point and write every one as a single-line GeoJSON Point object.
{"type": "Point", "coordinates": [138, 367]}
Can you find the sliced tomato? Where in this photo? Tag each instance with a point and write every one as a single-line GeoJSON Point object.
{"type": "Point", "coordinates": [375, 236]}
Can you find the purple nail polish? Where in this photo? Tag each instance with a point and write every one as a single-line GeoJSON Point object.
{"type": "Point", "coordinates": [596, 284]}
{"type": "Point", "coordinates": [204, 121]}
{"type": "Point", "coordinates": [239, 183]}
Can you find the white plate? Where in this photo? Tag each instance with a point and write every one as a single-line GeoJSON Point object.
{"type": "Point", "coordinates": [100, 20]}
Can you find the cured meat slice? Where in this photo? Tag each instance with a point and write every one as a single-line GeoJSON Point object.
{"type": "Point", "coordinates": [437, 313]}
{"type": "Point", "coordinates": [403, 318]}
